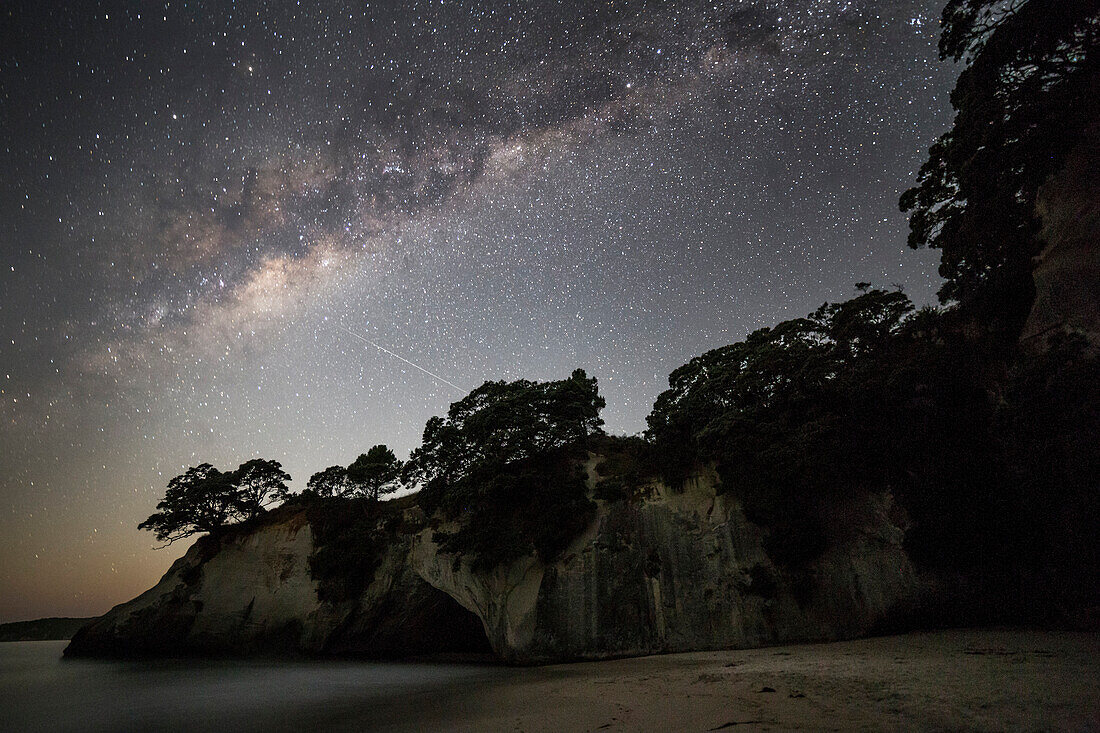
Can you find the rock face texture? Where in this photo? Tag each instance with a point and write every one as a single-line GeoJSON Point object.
{"type": "Point", "coordinates": [1068, 270]}
{"type": "Point", "coordinates": [674, 570]}
{"type": "Point", "coordinates": [681, 570]}
{"type": "Point", "coordinates": [251, 591]}
{"type": "Point", "coordinates": [236, 594]}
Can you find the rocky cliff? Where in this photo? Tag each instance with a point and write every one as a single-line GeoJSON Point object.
{"type": "Point", "coordinates": [1068, 269]}
{"type": "Point", "coordinates": [670, 570]}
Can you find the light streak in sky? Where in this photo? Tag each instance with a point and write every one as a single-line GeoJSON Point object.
{"type": "Point", "coordinates": [398, 356]}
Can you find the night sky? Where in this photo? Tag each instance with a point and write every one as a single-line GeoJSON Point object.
{"type": "Point", "coordinates": [205, 208]}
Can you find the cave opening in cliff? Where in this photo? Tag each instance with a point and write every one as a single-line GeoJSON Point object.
{"type": "Point", "coordinates": [448, 628]}
{"type": "Point", "coordinates": [418, 621]}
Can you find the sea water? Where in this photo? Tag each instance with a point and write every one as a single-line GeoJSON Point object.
{"type": "Point", "coordinates": [40, 691]}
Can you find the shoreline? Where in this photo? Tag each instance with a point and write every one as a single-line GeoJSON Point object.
{"type": "Point", "coordinates": [965, 679]}
{"type": "Point", "coordinates": [968, 679]}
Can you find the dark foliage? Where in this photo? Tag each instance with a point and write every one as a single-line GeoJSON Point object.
{"type": "Point", "coordinates": [790, 417]}
{"type": "Point", "coordinates": [777, 410]}
{"type": "Point", "coordinates": [972, 439]}
{"type": "Point", "coordinates": [259, 483]}
{"type": "Point", "coordinates": [204, 499]}
{"type": "Point", "coordinates": [504, 464]}
{"type": "Point", "coordinates": [627, 463]}
{"type": "Point", "coordinates": [375, 473]}
{"type": "Point", "coordinates": [331, 483]}
{"type": "Point", "coordinates": [350, 538]}
{"type": "Point", "coordinates": [991, 450]}
{"type": "Point", "coordinates": [372, 475]}
{"type": "Point", "coordinates": [1049, 421]}
{"type": "Point", "coordinates": [503, 422]}
{"type": "Point", "coordinates": [1030, 90]}
{"type": "Point", "coordinates": [535, 505]}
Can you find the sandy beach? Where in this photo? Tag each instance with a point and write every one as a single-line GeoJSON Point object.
{"type": "Point", "coordinates": [969, 680]}
{"type": "Point", "coordinates": [951, 680]}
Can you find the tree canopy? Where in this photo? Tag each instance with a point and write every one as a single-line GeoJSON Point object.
{"type": "Point", "coordinates": [372, 475]}
{"type": "Point", "coordinates": [375, 473]}
{"type": "Point", "coordinates": [331, 483]}
{"type": "Point", "coordinates": [257, 484]}
{"type": "Point", "coordinates": [989, 449]}
{"type": "Point", "coordinates": [502, 464]}
{"type": "Point", "coordinates": [722, 402]}
{"type": "Point", "coordinates": [792, 417]}
{"type": "Point", "coordinates": [1030, 90]}
{"type": "Point", "coordinates": [503, 422]}
{"type": "Point", "coordinates": [204, 499]}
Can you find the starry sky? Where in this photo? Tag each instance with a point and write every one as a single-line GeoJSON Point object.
{"type": "Point", "coordinates": [210, 212]}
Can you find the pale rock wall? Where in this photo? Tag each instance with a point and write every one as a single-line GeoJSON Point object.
{"type": "Point", "coordinates": [671, 572]}
{"type": "Point", "coordinates": [257, 586]}
{"type": "Point", "coordinates": [246, 592]}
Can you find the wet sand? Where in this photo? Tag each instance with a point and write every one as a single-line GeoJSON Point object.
{"type": "Point", "coordinates": [951, 680]}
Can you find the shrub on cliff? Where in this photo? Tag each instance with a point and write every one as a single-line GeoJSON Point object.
{"type": "Point", "coordinates": [350, 537]}
{"type": "Point", "coordinates": [627, 463]}
{"type": "Point", "coordinates": [770, 410]}
{"type": "Point", "coordinates": [799, 416]}
{"type": "Point", "coordinates": [990, 449]}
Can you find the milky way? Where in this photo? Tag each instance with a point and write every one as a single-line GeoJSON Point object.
{"type": "Point", "coordinates": [198, 199]}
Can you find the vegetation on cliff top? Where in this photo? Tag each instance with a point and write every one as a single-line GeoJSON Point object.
{"type": "Point", "coordinates": [372, 475]}
{"type": "Point", "coordinates": [990, 448]}
{"type": "Point", "coordinates": [503, 468]}
{"type": "Point", "coordinates": [204, 499]}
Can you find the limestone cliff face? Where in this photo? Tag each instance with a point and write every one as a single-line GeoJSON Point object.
{"type": "Point", "coordinates": [251, 591]}
{"type": "Point", "coordinates": [681, 570]}
{"type": "Point", "coordinates": [678, 570]}
{"type": "Point", "coordinates": [240, 593]}
{"type": "Point", "coordinates": [1067, 273]}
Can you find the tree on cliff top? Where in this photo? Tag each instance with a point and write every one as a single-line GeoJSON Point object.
{"type": "Point", "coordinates": [500, 463]}
{"type": "Point", "coordinates": [1029, 93]}
{"type": "Point", "coordinates": [792, 416]}
{"type": "Point", "coordinates": [332, 483]}
{"type": "Point", "coordinates": [200, 500]}
{"type": "Point", "coordinates": [372, 475]}
{"type": "Point", "coordinates": [504, 422]}
{"type": "Point", "coordinates": [259, 483]}
{"type": "Point", "coordinates": [766, 388]}
{"type": "Point", "coordinates": [204, 499]}
{"type": "Point", "coordinates": [375, 473]}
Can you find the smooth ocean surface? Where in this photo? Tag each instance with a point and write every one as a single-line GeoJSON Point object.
{"type": "Point", "coordinates": [41, 692]}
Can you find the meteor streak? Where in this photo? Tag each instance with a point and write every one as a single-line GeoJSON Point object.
{"type": "Point", "coordinates": [398, 356]}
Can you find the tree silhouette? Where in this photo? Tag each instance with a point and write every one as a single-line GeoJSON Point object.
{"type": "Point", "coordinates": [374, 473]}
{"type": "Point", "coordinates": [259, 483]}
{"type": "Point", "coordinates": [1029, 92]}
{"type": "Point", "coordinates": [333, 482]}
{"type": "Point", "coordinates": [503, 462]}
{"type": "Point", "coordinates": [200, 500]}
{"type": "Point", "coordinates": [503, 422]}
{"type": "Point", "coordinates": [204, 499]}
